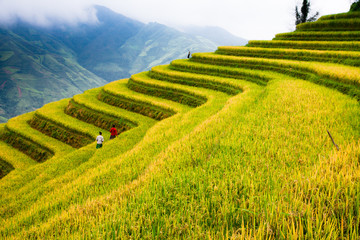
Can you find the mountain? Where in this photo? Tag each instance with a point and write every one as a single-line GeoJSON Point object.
{"type": "Point", "coordinates": [221, 146]}
{"type": "Point", "coordinates": [35, 68]}
{"type": "Point", "coordinates": [44, 64]}
{"type": "Point", "coordinates": [157, 44]}
{"type": "Point", "coordinates": [218, 35]}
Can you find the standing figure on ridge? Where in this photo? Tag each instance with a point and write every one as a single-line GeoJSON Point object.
{"type": "Point", "coordinates": [113, 132]}
{"type": "Point", "coordinates": [189, 54]}
{"type": "Point", "coordinates": [99, 140]}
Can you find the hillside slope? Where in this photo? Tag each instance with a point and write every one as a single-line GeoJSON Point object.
{"type": "Point", "coordinates": [37, 71]}
{"type": "Point", "coordinates": [232, 144]}
{"type": "Point", "coordinates": [39, 65]}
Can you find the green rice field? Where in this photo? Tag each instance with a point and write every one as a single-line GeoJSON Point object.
{"type": "Point", "coordinates": [254, 142]}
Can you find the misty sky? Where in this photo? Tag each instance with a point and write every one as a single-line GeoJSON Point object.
{"type": "Point", "coordinates": [250, 19]}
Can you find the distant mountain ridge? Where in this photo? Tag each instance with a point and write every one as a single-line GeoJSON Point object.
{"type": "Point", "coordinates": [42, 64]}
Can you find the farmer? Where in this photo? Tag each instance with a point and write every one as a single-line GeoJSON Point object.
{"type": "Point", "coordinates": [99, 140]}
{"type": "Point", "coordinates": [113, 132]}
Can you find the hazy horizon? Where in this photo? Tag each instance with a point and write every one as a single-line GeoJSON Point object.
{"type": "Point", "coordinates": [246, 19]}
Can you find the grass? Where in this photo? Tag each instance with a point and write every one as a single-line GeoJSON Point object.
{"type": "Point", "coordinates": [165, 73]}
{"type": "Point", "coordinates": [342, 57]}
{"type": "Point", "coordinates": [5, 168]}
{"type": "Point", "coordinates": [14, 157]}
{"type": "Point", "coordinates": [258, 77]}
{"type": "Point", "coordinates": [52, 120]}
{"type": "Point", "coordinates": [319, 36]}
{"type": "Point", "coordinates": [352, 24]}
{"type": "Point", "coordinates": [221, 146]}
{"type": "Point", "coordinates": [144, 84]}
{"type": "Point", "coordinates": [343, 74]}
{"type": "Point", "coordinates": [119, 95]}
{"type": "Point", "coordinates": [311, 45]}
{"type": "Point", "coordinates": [348, 15]}
{"type": "Point", "coordinates": [21, 136]}
{"type": "Point", "coordinates": [249, 177]}
{"type": "Point", "coordinates": [117, 172]}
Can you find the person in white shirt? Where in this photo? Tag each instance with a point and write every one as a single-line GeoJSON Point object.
{"type": "Point", "coordinates": [99, 140]}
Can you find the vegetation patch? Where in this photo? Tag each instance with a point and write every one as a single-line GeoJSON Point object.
{"type": "Point", "coordinates": [5, 168]}
{"type": "Point", "coordinates": [142, 108]}
{"type": "Point", "coordinates": [196, 80]}
{"type": "Point", "coordinates": [346, 58]}
{"type": "Point", "coordinates": [348, 15]}
{"type": "Point", "coordinates": [331, 25]}
{"type": "Point", "coordinates": [220, 71]}
{"type": "Point", "coordinates": [54, 130]}
{"type": "Point", "coordinates": [311, 45]}
{"type": "Point", "coordinates": [170, 94]}
{"type": "Point", "coordinates": [319, 36]}
{"type": "Point", "coordinates": [295, 70]}
{"type": "Point", "coordinates": [30, 148]}
{"type": "Point", "coordinates": [100, 120]}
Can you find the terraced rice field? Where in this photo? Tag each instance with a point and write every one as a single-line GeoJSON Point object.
{"type": "Point", "coordinates": [232, 144]}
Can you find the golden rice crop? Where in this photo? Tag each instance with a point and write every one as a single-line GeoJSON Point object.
{"type": "Point", "coordinates": [182, 94]}
{"type": "Point", "coordinates": [319, 36]}
{"type": "Point", "coordinates": [119, 88]}
{"type": "Point", "coordinates": [311, 45]}
{"type": "Point", "coordinates": [316, 54]}
{"type": "Point", "coordinates": [89, 100]}
{"type": "Point", "coordinates": [20, 126]}
{"type": "Point", "coordinates": [259, 77]}
{"type": "Point", "coordinates": [198, 80]}
{"type": "Point", "coordinates": [348, 15]}
{"type": "Point", "coordinates": [152, 145]}
{"type": "Point", "coordinates": [16, 158]}
{"type": "Point", "coordinates": [352, 24]}
{"type": "Point", "coordinates": [346, 74]}
{"type": "Point", "coordinates": [254, 165]}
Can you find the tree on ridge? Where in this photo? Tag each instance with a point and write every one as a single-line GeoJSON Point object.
{"type": "Point", "coordinates": [355, 6]}
{"type": "Point", "coordinates": [302, 17]}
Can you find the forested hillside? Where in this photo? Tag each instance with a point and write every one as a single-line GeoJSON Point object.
{"type": "Point", "coordinates": [39, 65]}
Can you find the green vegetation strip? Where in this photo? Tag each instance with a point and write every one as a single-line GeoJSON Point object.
{"type": "Point", "coordinates": [17, 192]}
{"type": "Point", "coordinates": [117, 94]}
{"type": "Point", "coordinates": [54, 112]}
{"type": "Point", "coordinates": [112, 174]}
{"type": "Point", "coordinates": [13, 156]}
{"type": "Point", "coordinates": [5, 168]}
{"type": "Point", "coordinates": [311, 45]}
{"type": "Point", "coordinates": [90, 101]}
{"type": "Point", "coordinates": [142, 108]}
{"type": "Point", "coordinates": [100, 120]}
{"type": "Point", "coordinates": [119, 88]}
{"type": "Point", "coordinates": [165, 73]}
{"type": "Point", "coordinates": [258, 77]}
{"type": "Point", "coordinates": [343, 78]}
{"type": "Point", "coordinates": [331, 25]}
{"type": "Point", "coordinates": [240, 173]}
{"type": "Point", "coordinates": [346, 58]}
{"type": "Point", "coordinates": [58, 132]}
{"type": "Point", "coordinates": [344, 74]}
{"type": "Point", "coordinates": [349, 15]}
{"type": "Point", "coordinates": [26, 145]}
{"type": "Point", "coordinates": [319, 36]}
{"type": "Point", "coordinates": [144, 84]}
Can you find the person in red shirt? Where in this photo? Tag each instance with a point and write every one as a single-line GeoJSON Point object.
{"type": "Point", "coordinates": [113, 132]}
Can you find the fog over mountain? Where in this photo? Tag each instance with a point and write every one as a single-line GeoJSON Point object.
{"type": "Point", "coordinates": [45, 62]}
{"type": "Point", "coordinates": [260, 19]}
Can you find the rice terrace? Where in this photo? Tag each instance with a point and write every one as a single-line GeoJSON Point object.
{"type": "Point", "coordinates": [233, 144]}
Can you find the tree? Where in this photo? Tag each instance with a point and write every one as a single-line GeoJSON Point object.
{"type": "Point", "coordinates": [302, 16]}
{"type": "Point", "coordinates": [355, 6]}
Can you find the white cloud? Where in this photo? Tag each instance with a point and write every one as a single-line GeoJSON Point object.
{"type": "Point", "coordinates": [258, 19]}
{"type": "Point", "coordinates": [45, 13]}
